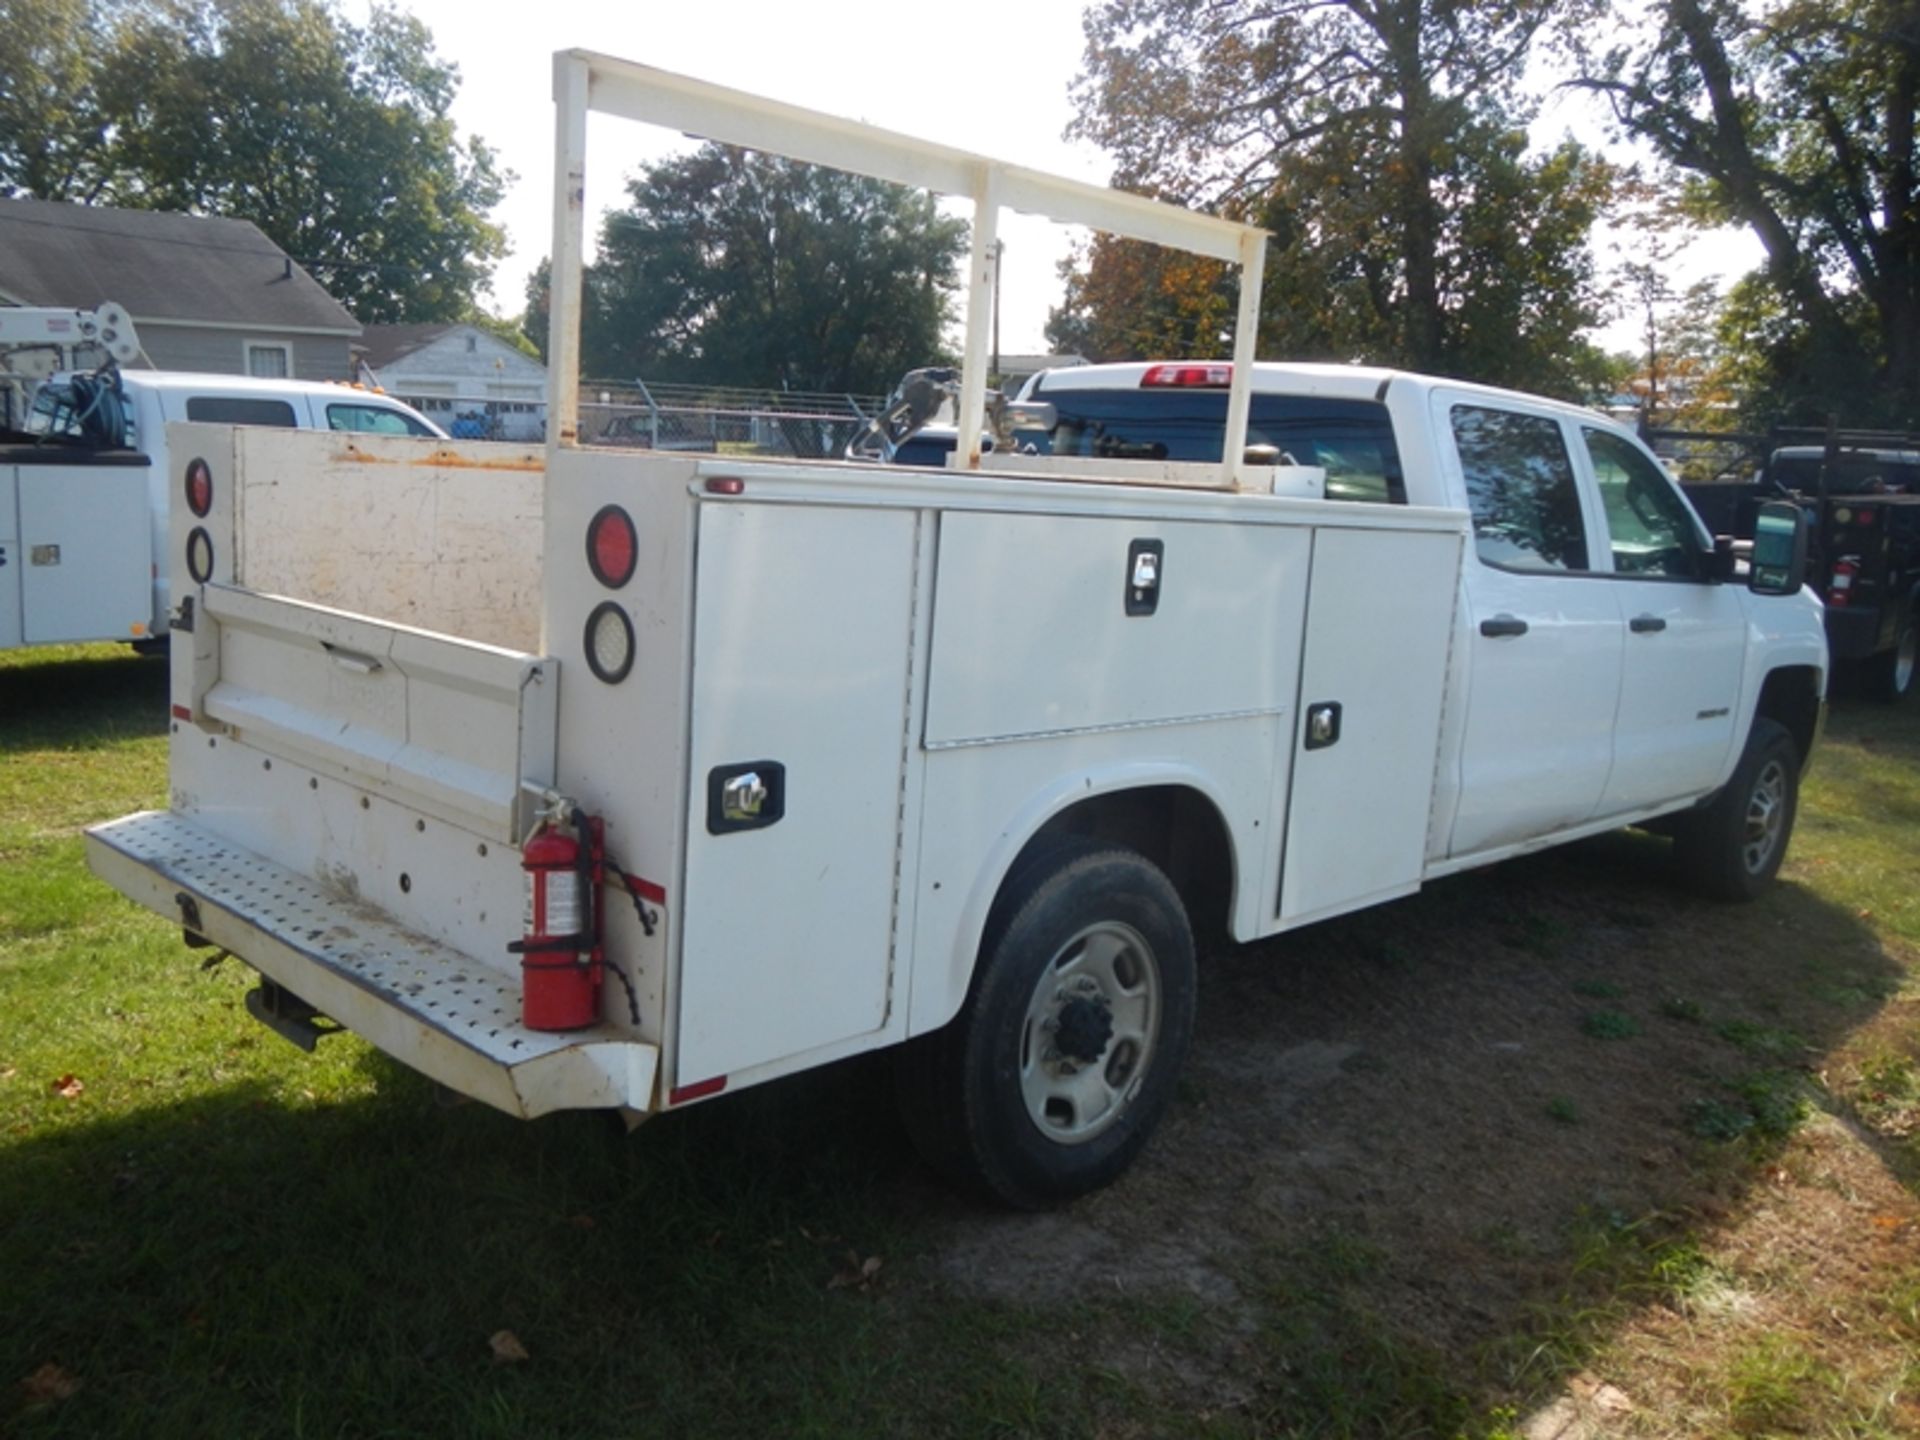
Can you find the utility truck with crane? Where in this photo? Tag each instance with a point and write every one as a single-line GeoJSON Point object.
{"type": "Point", "coordinates": [635, 778]}
{"type": "Point", "coordinates": [84, 469]}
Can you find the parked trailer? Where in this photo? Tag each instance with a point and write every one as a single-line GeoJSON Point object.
{"type": "Point", "coordinates": [789, 761]}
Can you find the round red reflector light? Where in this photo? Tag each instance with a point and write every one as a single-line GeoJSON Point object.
{"type": "Point", "coordinates": [199, 487]}
{"type": "Point", "coordinates": [613, 548]}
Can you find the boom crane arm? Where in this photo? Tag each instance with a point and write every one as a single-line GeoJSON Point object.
{"type": "Point", "coordinates": [37, 340]}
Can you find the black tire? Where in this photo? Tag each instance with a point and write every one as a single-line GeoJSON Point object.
{"type": "Point", "coordinates": [1890, 674]}
{"type": "Point", "coordinates": [1038, 1126]}
{"type": "Point", "coordinates": [1732, 848]}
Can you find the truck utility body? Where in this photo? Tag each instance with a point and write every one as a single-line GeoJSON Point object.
{"type": "Point", "coordinates": [959, 761]}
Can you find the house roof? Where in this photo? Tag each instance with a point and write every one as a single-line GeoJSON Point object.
{"type": "Point", "coordinates": [384, 344]}
{"type": "Point", "coordinates": [161, 265]}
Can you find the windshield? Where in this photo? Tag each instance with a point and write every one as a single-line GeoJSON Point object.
{"type": "Point", "coordinates": [1352, 439]}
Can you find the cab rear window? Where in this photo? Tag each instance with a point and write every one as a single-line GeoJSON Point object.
{"type": "Point", "coordinates": [239, 410]}
{"type": "Point", "coordinates": [1353, 439]}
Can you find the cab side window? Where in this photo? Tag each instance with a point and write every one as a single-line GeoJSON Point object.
{"type": "Point", "coordinates": [1651, 528]}
{"type": "Point", "coordinates": [373, 420]}
{"type": "Point", "coordinates": [1521, 490]}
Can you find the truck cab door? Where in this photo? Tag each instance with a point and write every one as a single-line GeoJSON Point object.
{"type": "Point", "coordinates": [1544, 634]}
{"type": "Point", "coordinates": [1683, 634]}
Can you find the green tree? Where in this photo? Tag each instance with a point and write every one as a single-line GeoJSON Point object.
{"type": "Point", "coordinates": [53, 134]}
{"type": "Point", "coordinates": [1382, 142]}
{"type": "Point", "coordinates": [1795, 119]}
{"type": "Point", "coordinates": [733, 268]}
{"type": "Point", "coordinates": [333, 138]}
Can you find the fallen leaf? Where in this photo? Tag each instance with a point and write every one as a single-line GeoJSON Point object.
{"type": "Point", "coordinates": [7, 1072]}
{"type": "Point", "coordinates": [68, 1087]}
{"type": "Point", "coordinates": [1889, 1222]}
{"type": "Point", "coordinates": [857, 1274]}
{"type": "Point", "coordinates": [507, 1349]}
{"type": "Point", "coordinates": [49, 1385]}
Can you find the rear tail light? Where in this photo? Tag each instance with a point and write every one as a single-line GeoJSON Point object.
{"type": "Point", "coordinates": [613, 548]}
{"type": "Point", "coordinates": [1192, 377]}
{"type": "Point", "coordinates": [609, 643]}
{"type": "Point", "coordinates": [199, 488]}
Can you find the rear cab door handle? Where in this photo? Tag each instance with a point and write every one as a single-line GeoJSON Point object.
{"type": "Point", "coordinates": [1646, 624]}
{"type": "Point", "coordinates": [1503, 624]}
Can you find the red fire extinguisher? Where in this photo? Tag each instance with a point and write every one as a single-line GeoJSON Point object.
{"type": "Point", "coordinates": [561, 962]}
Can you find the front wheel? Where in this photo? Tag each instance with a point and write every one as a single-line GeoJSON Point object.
{"type": "Point", "coordinates": [1732, 849]}
{"type": "Point", "coordinates": [1064, 1057]}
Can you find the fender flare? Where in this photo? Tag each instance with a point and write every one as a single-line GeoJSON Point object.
{"type": "Point", "coordinates": [943, 977]}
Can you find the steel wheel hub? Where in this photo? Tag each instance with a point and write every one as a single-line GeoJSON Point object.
{"type": "Point", "coordinates": [1089, 1033]}
{"type": "Point", "coordinates": [1766, 816]}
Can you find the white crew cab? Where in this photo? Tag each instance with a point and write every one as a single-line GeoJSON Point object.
{"type": "Point", "coordinates": [960, 761]}
{"type": "Point", "coordinates": [83, 520]}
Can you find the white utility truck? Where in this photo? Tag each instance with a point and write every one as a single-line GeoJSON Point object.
{"type": "Point", "coordinates": [85, 477]}
{"type": "Point", "coordinates": [631, 778]}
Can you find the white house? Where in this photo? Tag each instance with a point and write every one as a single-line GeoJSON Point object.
{"type": "Point", "coordinates": [472, 382]}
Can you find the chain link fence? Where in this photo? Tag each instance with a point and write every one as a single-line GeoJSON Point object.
{"type": "Point", "coordinates": [651, 415]}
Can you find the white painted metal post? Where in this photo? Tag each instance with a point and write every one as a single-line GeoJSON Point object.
{"type": "Point", "coordinates": [570, 82]}
{"type": "Point", "coordinates": [1246, 332]}
{"type": "Point", "coordinates": [973, 366]}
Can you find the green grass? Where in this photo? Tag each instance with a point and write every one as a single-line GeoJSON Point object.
{"type": "Point", "coordinates": [216, 1235]}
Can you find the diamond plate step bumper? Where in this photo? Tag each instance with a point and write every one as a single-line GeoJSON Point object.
{"type": "Point", "coordinates": [424, 1003]}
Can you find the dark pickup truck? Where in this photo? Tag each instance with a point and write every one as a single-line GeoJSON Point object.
{"type": "Point", "coordinates": [1861, 493]}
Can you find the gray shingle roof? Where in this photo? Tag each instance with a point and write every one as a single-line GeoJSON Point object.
{"type": "Point", "coordinates": [160, 265]}
{"type": "Point", "coordinates": [385, 344]}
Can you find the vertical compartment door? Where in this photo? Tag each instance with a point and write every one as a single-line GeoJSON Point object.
{"type": "Point", "coordinates": [10, 561]}
{"type": "Point", "coordinates": [1379, 617]}
{"type": "Point", "coordinates": [802, 637]}
{"type": "Point", "coordinates": [86, 542]}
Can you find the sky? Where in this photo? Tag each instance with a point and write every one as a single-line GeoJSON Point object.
{"type": "Point", "coordinates": [990, 76]}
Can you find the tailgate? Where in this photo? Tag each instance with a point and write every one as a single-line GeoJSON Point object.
{"type": "Point", "coordinates": [452, 728]}
{"type": "Point", "coordinates": [438, 1010]}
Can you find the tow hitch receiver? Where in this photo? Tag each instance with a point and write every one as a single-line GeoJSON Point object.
{"type": "Point", "coordinates": [287, 1015]}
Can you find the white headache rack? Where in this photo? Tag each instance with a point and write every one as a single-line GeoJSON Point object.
{"type": "Point", "coordinates": [451, 1017]}
{"type": "Point", "coordinates": [586, 81]}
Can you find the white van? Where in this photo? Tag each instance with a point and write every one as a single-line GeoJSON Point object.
{"type": "Point", "coordinates": [83, 504]}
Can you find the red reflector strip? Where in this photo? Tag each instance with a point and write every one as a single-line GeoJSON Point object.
{"type": "Point", "coordinates": [726, 485]}
{"type": "Point", "coordinates": [1205, 377]}
{"type": "Point", "coordinates": [680, 1094]}
{"type": "Point", "coordinates": [181, 712]}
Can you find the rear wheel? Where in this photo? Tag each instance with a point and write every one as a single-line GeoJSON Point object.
{"type": "Point", "coordinates": [1064, 1057]}
{"type": "Point", "coordinates": [1891, 674]}
{"type": "Point", "coordinates": [1732, 849]}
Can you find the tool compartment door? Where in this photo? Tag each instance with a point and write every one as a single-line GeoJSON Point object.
{"type": "Point", "coordinates": [10, 561]}
{"type": "Point", "coordinates": [1379, 618]}
{"type": "Point", "coordinates": [86, 552]}
{"type": "Point", "coordinates": [803, 636]}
